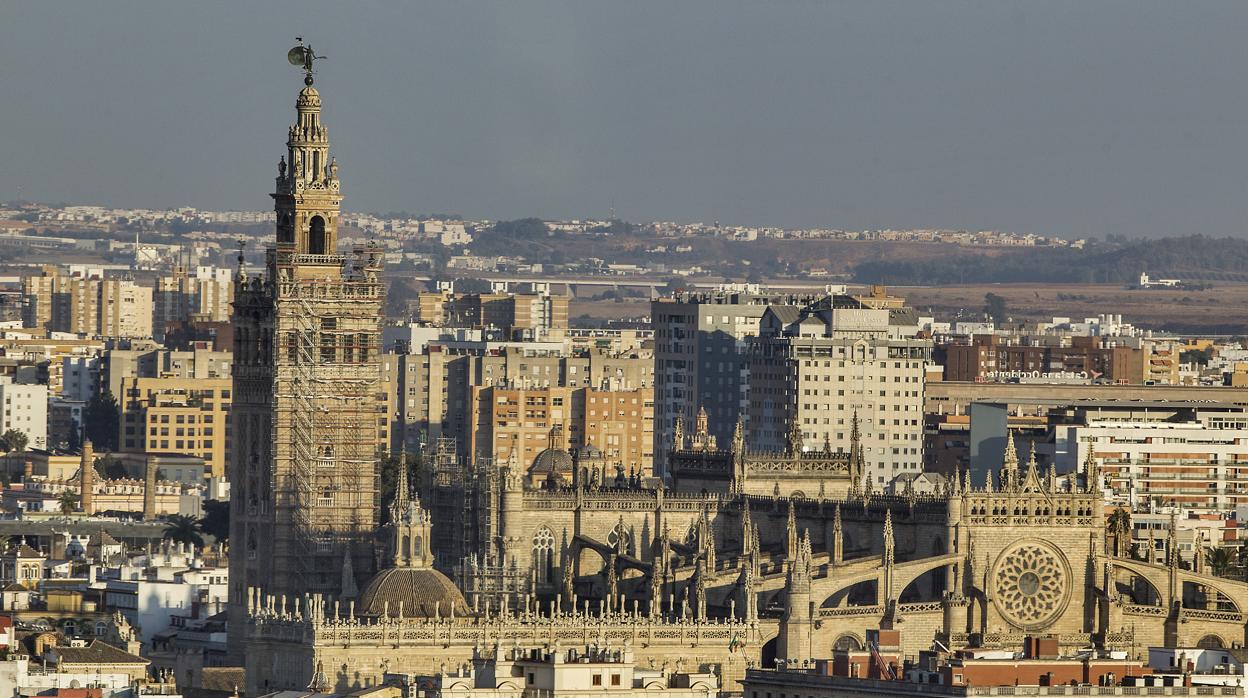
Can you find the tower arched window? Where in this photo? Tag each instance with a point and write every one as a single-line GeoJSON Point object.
{"type": "Point", "coordinates": [285, 228]}
{"type": "Point", "coordinates": [543, 555]}
{"type": "Point", "coordinates": [317, 242]}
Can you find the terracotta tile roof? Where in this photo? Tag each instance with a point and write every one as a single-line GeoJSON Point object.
{"type": "Point", "coordinates": [223, 678]}
{"type": "Point", "coordinates": [25, 551]}
{"type": "Point", "coordinates": [96, 653]}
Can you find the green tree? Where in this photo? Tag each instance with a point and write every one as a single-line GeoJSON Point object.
{"type": "Point", "coordinates": [181, 528]}
{"type": "Point", "coordinates": [68, 502]}
{"type": "Point", "coordinates": [111, 468]}
{"type": "Point", "coordinates": [102, 419]}
{"type": "Point", "coordinates": [521, 229]}
{"type": "Point", "coordinates": [995, 307]}
{"type": "Point", "coordinates": [1200, 357]}
{"type": "Point", "coordinates": [1220, 560]}
{"type": "Point", "coordinates": [216, 521]}
{"type": "Point", "coordinates": [1120, 521]}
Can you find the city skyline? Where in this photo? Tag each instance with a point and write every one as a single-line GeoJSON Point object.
{"type": "Point", "coordinates": [1083, 120]}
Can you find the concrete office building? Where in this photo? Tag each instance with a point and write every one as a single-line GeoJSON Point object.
{"type": "Point", "coordinates": [117, 365]}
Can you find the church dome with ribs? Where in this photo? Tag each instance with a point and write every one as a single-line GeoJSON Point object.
{"type": "Point", "coordinates": [420, 591]}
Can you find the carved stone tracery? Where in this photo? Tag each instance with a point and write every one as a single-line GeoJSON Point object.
{"type": "Point", "coordinates": [1031, 583]}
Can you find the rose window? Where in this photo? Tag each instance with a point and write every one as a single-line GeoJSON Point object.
{"type": "Point", "coordinates": [1031, 584]}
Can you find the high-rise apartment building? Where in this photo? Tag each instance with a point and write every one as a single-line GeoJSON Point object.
{"type": "Point", "coordinates": [306, 425]}
{"type": "Point", "coordinates": [814, 370]}
{"type": "Point", "coordinates": [519, 315]}
{"type": "Point", "coordinates": [1192, 455]}
{"type": "Point", "coordinates": [86, 305]}
{"type": "Point", "coordinates": [204, 295]}
{"type": "Point", "coordinates": [431, 393]}
{"type": "Point", "coordinates": [116, 365]}
{"type": "Point", "coordinates": [700, 357]}
{"type": "Point", "coordinates": [512, 425]}
{"type": "Point", "coordinates": [177, 415]}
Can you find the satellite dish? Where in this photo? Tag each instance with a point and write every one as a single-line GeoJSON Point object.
{"type": "Point", "coordinates": [296, 55]}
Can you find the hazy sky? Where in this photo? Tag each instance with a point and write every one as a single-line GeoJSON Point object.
{"type": "Point", "coordinates": [1072, 118]}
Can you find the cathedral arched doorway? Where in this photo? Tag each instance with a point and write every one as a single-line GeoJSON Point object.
{"type": "Point", "coordinates": [316, 236]}
{"type": "Point", "coordinates": [768, 658]}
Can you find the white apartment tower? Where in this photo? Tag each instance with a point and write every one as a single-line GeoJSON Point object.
{"type": "Point", "coordinates": [816, 368]}
{"type": "Point", "coordinates": [25, 409]}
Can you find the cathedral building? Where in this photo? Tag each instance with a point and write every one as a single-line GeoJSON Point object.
{"type": "Point", "coordinates": [306, 375]}
{"type": "Point", "coordinates": [738, 557]}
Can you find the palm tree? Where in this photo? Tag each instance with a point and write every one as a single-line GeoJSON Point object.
{"type": "Point", "coordinates": [181, 528]}
{"type": "Point", "coordinates": [69, 502]}
{"type": "Point", "coordinates": [13, 440]}
{"type": "Point", "coordinates": [1119, 523]}
{"type": "Point", "coordinates": [1220, 560]}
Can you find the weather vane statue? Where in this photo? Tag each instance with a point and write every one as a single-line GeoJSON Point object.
{"type": "Point", "coordinates": [303, 56]}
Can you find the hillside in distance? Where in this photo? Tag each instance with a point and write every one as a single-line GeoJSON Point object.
{"type": "Point", "coordinates": [1196, 258]}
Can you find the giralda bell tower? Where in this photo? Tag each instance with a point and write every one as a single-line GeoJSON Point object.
{"type": "Point", "coordinates": [307, 420]}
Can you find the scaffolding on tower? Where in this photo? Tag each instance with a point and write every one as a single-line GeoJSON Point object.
{"type": "Point", "coordinates": [329, 330]}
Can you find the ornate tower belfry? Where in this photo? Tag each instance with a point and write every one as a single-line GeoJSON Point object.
{"type": "Point", "coordinates": [308, 193]}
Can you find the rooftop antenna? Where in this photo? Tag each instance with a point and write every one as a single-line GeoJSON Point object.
{"type": "Point", "coordinates": [303, 56]}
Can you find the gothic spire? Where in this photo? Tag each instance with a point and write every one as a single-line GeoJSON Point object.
{"type": "Point", "coordinates": [1172, 542]}
{"type": "Point", "coordinates": [747, 525]}
{"type": "Point", "coordinates": [791, 533]}
{"type": "Point", "coordinates": [1031, 480]}
{"type": "Point", "coordinates": [1009, 463]}
{"type": "Point", "coordinates": [795, 435]}
{"type": "Point", "coordinates": [402, 490]}
{"type": "Point", "coordinates": [838, 537]}
{"type": "Point", "coordinates": [889, 543]}
{"type": "Point", "coordinates": [857, 466]}
{"type": "Point", "coordinates": [1091, 472]}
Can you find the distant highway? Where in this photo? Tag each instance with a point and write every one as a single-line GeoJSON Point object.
{"type": "Point", "coordinates": [628, 281]}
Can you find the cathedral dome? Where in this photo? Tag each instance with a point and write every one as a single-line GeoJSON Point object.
{"type": "Point", "coordinates": [551, 460]}
{"type": "Point", "coordinates": [308, 97]}
{"type": "Point", "coordinates": [422, 592]}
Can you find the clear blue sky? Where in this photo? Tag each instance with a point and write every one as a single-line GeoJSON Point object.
{"type": "Point", "coordinates": [1073, 118]}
